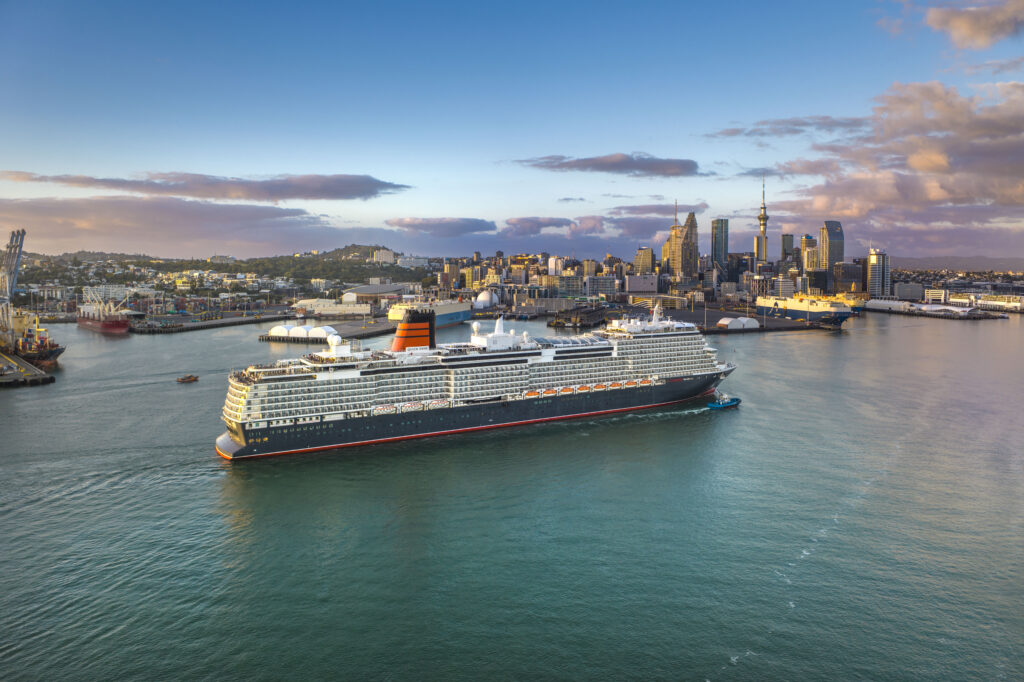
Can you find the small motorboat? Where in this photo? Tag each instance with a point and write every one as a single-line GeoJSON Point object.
{"type": "Point", "coordinates": [188, 379]}
{"type": "Point", "coordinates": [723, 402]}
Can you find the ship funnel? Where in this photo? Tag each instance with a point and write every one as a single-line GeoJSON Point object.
{"type": "Point", "coordinates": [416, 330]}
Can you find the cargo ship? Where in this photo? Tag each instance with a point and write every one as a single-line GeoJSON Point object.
{"type": "Point", "coordinates": [827, 313]}
{"type": "Point", "coordinates": [104, 317]}
{"type": "Point", "coordinates": [343, 396]}
{"type": "Point", "coordinates": [33, 343]}
{"type": "Point", "coordinates": [447, 313]}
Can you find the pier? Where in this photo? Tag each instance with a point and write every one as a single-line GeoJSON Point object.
{"type": "Point", "coordinates": [178, 327]}
{"type": "Point", "coordinates": [24, 373]}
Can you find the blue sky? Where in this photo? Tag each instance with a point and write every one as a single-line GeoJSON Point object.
{"type": "Point", "coordinates": [468, 115]}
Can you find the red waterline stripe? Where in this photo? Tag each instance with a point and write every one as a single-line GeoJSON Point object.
{"type": "Point", "coordinates": [463, 430]}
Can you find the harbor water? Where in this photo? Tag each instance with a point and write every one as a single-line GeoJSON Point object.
{"type": "Point", "coordinates": [860, 516]}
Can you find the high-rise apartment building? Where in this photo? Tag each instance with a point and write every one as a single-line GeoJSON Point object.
{"type": "Point", "coordinates": [720, 244]}
{"type": "Point", "coordinates": [879, 277]}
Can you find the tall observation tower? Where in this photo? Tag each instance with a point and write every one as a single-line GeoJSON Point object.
{"type": "Point", "coordinates": [761, 241]}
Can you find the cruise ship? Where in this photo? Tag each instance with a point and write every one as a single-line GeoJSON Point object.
{"type": "Point", "coordinates": [344, 396]}
{"type": "Point", "coordinates": [828, 313]}
{"type": "Point", "coordinates": [448, 313]}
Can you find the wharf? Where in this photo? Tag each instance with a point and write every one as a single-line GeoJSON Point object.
{"type": "Point", "coordinates": [178, 327]}
{"type": "Point", "coordinates": [346, 330]}
{"type": "Point", "coordinates": [580, 317]}
{"type": "Point", "coordinates": [24, 374]}
{"type": "Point", "coordinates": [765, 323]}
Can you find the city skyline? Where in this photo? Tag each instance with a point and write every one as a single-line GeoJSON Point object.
{"type": "Point", "coordinates": [449, 129]}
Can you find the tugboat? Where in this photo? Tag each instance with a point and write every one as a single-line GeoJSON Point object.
{"type": "Point", "coordinates": [188, 379]}
{"type": "Point", "coordinates": [724, 402]}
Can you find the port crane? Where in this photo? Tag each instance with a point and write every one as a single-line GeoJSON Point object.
{"type": "Point", "coordinates": [8, 280]}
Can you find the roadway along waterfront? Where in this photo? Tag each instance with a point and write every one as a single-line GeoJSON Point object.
{"type": "Point", "coordinates": [858, 517]}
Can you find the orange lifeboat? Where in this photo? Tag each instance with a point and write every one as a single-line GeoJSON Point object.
{"type": "Point", "coordinates": [599, 387]}
{"type": "Point", "coordinates": [645, 382]}
{"type": "Point", "coordinates": [566, 390]}
{"type": "Point", "coordinates": [550, 391]}
{"type": "Point", "coordinates": [582, 389]}
{"type": "Point", "coordinates": [630, 384]}
{"type": "Point", "coordinates": [615, 384]}
{"type": "Point", "coordinates": [532, 394]}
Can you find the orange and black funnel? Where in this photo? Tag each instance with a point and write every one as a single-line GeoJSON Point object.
{"type": "Point", "coordinates": [415, 329]}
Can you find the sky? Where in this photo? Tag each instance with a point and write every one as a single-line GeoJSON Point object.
{"type": "Point", "coordinates": [261, 128]}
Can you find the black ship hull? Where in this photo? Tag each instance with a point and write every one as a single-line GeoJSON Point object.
{"type": "Point", "coordinates": [314, 436]}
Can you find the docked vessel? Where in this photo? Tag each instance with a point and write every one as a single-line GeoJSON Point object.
{"type": "Point", "coordinates": [828, 313]}
{"type": "Point", "coordinates": [343, 396]}
{"type": "Point", "coordinates": [447, 313]}
{"type": "Point", "coordinates": [104, 317]}
{"type": "Point", "coordinates": [33, 343]}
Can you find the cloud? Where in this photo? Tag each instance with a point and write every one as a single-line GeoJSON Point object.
{"type": "Point", "coordinates": [658, 209]}
{"type": "Point", "coordinates": [933, 160]}
{"type": "Point", "coordinates": [890, 25]}
{"type": "Point", "coordinates": [588, 224]}
{"type": "Point", "coordinates": [785, 169]}
{"type": "Point", "coordinates": [198, 186]}
{"type": "Point", "coordinates": [637, 164]}
{"type": "Point", "coordinates": [781, 127]}
{"type": "Point", "coordinates": [443, 227]}
{"type": "Point", "coordinates": [165, 226]}
{"type": "Point", "coordinates": [995, 66]}
{"type": "Point", "coordinates": [978, 27]}
{"type": "Point", "coordinates": [566, 200]}
{"type": "Point", "coordinates": [533, 225]}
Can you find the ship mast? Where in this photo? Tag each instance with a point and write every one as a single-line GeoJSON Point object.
{"type": "Point", "coordinates": [8, 281]}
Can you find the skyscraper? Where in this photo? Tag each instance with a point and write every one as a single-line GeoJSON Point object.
{"type": "Point", "coordinates": [720, 244]}
{"type": "Point", "coordinates": [680, 249]}
{"type": "Point", "coordinates": [879, 277]}
{"type": "Point", "coordinates": [787, 246]}
{"type": "Point", "coordinates": [761, 241]}
{"type": "Point", "coordinates": [690, 254]}
{"type": "Point", "coordinates": [643, 262]}
{"type": "Point", "coordinates": [830, 246]}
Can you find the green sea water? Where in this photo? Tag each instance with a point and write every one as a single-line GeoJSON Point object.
{"type": "Point", "coordinates": [860, 516]}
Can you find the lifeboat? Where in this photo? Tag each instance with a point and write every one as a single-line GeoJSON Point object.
{"type": "Point", "coordinates": [435, 404]}
{"type": "Point", "coordinates": [630, 384]}
{"type": "Point", "coordinates": [384, 409]}
{"type": "Point", "coordinates": [412, 407]}
{"type": "Point", "coordinates": [582, 389]}
{"type": "Point", "coordinates": [531, 394]}
{"type": "Point", "coordinates": [645, 382]}
{"type": "Point", "coordinates": [566, 390]}
{"type": "Point", "coordinates": [550, 391]}
{"type": "Point", "coordinates": [599, 387]}
{"type": "Point", "coordinates": [615, 384]}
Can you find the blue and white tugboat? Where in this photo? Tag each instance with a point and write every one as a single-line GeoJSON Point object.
{"type": "Point", "coordinates": [723, 402]}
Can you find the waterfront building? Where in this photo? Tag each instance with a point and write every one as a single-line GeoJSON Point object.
{"type": "Point", "coordinates": [908, 291]}
{"type": "Point", "coordinates": [570, 286]}
{"type": "Point", "coordinates": [784, 287]}
{"type": "Point", "coordinates": [595, 285]}
{"type": "Point", "coordinates": [846, 277]}
{"type": "Point", "coordinates": [879, 276]}
{"type": "Point", "coordinates": [936, 296]}
{"type": "Point", "coordinates": [641, 284]}
{"type": "Point", "coordinates": [830, 246]}
{"type": "Point", "coordinates": [720, 244]}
